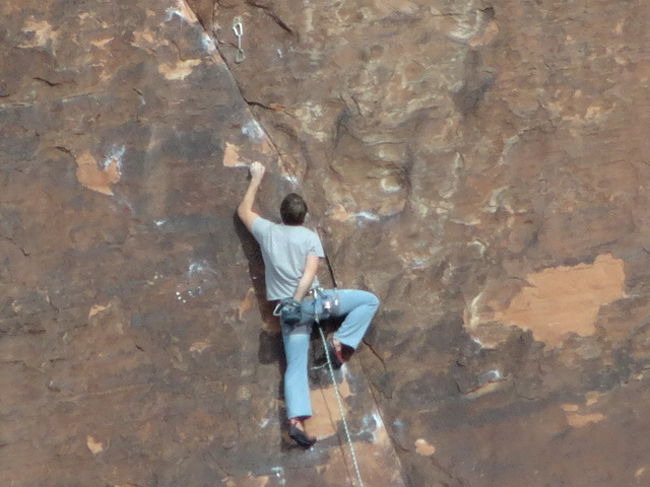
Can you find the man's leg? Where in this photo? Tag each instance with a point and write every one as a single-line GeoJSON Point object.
{"type": "Point", "coordinates": [296, 379]}
{"type": "Point", "coordinates": [358, 307]}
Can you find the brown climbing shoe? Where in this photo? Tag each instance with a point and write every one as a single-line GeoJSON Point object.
{"type": "Point", "coordinates": [336, 354]}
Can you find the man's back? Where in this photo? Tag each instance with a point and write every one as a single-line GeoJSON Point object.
{"type": "Point", "coordinates": [285, 249]}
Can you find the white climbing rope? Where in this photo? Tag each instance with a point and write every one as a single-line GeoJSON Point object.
{"type": "Point", "coordinates": [341, 411]}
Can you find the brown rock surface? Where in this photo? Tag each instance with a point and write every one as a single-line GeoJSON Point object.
{"type": "Point", "coordinates": [132, 349]}
{"type": "Point", "coordinates": [480, 166]}
{"type": "Point", "coordinates": [484, 167]}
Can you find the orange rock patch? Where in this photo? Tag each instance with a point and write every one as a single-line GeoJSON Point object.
{"type": "Point", "coordinates": [179, 70]}
{"type": "Point", "coordinates": [424, 448]}
{"type": "Point", "coordinates": [325, 410]}
{"type": "Point", "coordinates": [91, 176]}
{"type": "Point", "coordinates": [95, 446]}
{"type": "Point", "coordinates": [555, 302]}
{"type": "Point", "coordinates": [246, 303]}
{"type": "Point", "coordinates": [580, 420]}
{"type": "Point", "coordinates": [562, 300]}
{"type": "Point", "coordinates": [231, 157]}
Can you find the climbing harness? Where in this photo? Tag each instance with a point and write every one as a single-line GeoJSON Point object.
{"type": "Point", "coordinates": [294, 313]}
{"type": "Point", "coordinates": [289, 311]}
{"type": "Point", "coordinates": [238, 29]}
{"type": "Point", "coordinates": [325, 304]}
{"type": "Point", "coordinates": [341, 410]}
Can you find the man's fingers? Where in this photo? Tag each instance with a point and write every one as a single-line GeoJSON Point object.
{"type": "Point", "coordinates": [257, 169]}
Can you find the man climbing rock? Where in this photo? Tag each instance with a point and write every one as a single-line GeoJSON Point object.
{"type": "Point", "coordinates": [292, 254]}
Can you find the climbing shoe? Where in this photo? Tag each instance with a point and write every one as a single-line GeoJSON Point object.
{"type": "Point", "coordinates": [300, 437]}
{"type": "Point", "coordinates": [336, 356]}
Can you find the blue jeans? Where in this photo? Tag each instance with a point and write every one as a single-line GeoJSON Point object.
{"type": "Point", "coordinates": [358, 307]}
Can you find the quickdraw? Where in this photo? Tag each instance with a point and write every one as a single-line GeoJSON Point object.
{"type": "Point", "coordinates": [238, 29]}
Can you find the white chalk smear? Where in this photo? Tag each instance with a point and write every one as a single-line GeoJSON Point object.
{"type": "Point", "coordinates": [182, 11]}
{"type": "Point", "coordinates": [252, 130]}
{"type": "Point", "coordinates": [200, 267]}
{"type": "Point", "coordinates": [208, 43]}
{"type": "Point", "coordinates": [114, 156]}
{"type": "Point", "coordinates": [489, 377]}
{"type": "Point", "coordinates": [292, 179]}
{"type": "Point", "coordinates": [367, 216]}
{"type": "Point", "coordinates": [371, 424]}
{"type": "Point", "coordinates": [279, 473]}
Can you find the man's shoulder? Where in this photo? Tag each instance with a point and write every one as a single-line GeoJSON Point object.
{"type": "Point", "coordinates": [266, 223]}
{"type": "Point", "coordinates": [291, 231]}
{"type": "Point", "coordinates": [261, 226]}
{"type": "Point", "coordinates": [311, 239]}
{"type": "Point", "coordinates": [306, 231]}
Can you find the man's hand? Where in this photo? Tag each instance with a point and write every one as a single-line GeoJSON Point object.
{"type": "Point", "coordinates": [245, 210]}
{"type": "Point", "coordinates": [257, 171]}
{"type": "Point", "coordinates": [308, 275]}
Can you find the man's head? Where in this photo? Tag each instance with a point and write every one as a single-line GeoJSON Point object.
{"type": "Point", "coordinates": [293, 209]}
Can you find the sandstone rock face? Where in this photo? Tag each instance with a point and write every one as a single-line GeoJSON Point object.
{"type": "Point", "coordinates": [137, 348]}
{"type": "Point", "coordinates": [484, 165]}
{"type": "Point", "coordinates": [480, 166]}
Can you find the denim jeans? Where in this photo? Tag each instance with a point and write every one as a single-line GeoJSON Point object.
{"type": "Point", "coordinates": [358, 307]}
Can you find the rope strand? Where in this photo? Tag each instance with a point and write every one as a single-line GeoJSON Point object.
{"type": "Point", "coordinates": [341, 411]}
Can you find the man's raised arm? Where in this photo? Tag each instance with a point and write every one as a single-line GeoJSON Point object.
{"type": "Point", "coordinates": [245, 209]}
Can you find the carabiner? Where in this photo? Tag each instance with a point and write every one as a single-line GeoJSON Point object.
{"type": "Point", "coordinates": [238, 27]}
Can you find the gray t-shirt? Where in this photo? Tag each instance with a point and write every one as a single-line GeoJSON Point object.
{"type": "Point", "coordinates": [285, 249]}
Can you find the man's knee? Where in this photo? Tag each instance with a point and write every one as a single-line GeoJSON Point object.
{"type": "Point", "coordinates": [373, 300]}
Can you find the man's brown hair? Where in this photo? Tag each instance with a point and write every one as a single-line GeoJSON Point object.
{"type": "Point", "coordinates": [293, 209]}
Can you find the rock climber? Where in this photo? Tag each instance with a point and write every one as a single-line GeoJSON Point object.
{"type": "Point", "coordinates": [292, 254]}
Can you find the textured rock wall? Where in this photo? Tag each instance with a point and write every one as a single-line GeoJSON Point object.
{"type": "Point", "coordinates": [485, 168]}
{"type": "Point", "coordinates": [135, 343]}
{"type": "Point", "coordinates": [481, 166]}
